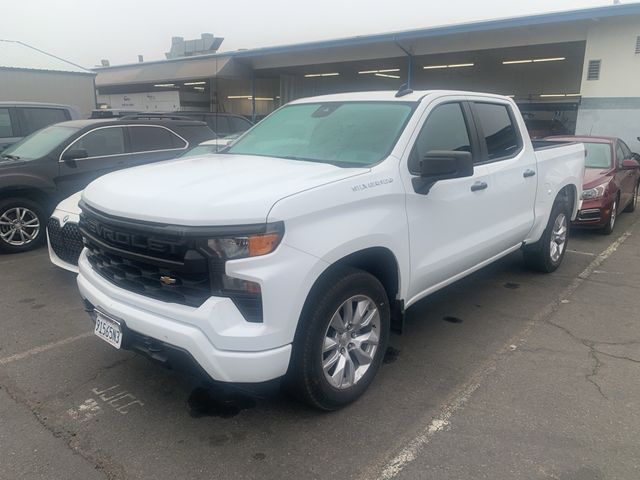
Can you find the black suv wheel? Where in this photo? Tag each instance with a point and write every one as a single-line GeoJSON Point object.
{"type": "Point", "coordinates": [22, 225]}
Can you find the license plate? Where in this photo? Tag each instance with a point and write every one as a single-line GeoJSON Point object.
{"type": "Point", "coordinates": [108, 329]}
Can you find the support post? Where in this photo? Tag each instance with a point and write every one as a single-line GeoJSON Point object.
{"type": "Point", "coordinates": [253, 97]}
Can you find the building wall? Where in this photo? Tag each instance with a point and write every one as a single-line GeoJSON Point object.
{"type": "Point", "coordinates": [611, 104]}
{"type": "Point", "coordinates": [50, 87]}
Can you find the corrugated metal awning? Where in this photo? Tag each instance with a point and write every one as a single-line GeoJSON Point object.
{"type": "Point", "coordinates": [187, 68]}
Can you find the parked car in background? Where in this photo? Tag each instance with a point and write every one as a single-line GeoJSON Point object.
{"type": "Point", "coordinates": [288, 254]}
{"type": "Point", "coordinates": [611, 179]}
{"type": "Point", "coordinates": [52, 163]}
{"type": "Point", "coordinates": [64, 240]}
{"type": "Point", "coordinates": [19, 119]}
{"type": "Point", "coordinates": [223, 124]}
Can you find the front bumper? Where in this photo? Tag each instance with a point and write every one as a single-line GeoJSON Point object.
{"type": "Point", "coordinates": [593, 213]}
{"type": "Point", "coordinates": [215, 334]}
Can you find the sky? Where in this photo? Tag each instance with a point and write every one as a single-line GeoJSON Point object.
{"type": "Point", "coordinates": [86, 31]}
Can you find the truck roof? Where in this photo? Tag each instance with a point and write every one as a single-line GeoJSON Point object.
{"type": "Point", "coordinates": [390, 96]}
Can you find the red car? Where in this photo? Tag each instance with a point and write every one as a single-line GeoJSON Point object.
{"type": "Point", "coordinates": [610, 184]}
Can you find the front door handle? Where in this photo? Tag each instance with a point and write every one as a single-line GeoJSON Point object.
{"type": "Point", "coordinates": [529, 173]}
{"type": "Point", "coordinates": [478, 186]}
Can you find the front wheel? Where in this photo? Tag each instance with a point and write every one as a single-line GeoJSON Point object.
{"type": "Point", "coordinates": [613, 216]}
{"type": "Point", "coordinates": [634, 200]}
{"type": "Point", "coordinates": [341, 340]}
{"type": "Point", "coordinates": [547, 253]}
{"type": "Point", "coordinates": [22, 225]}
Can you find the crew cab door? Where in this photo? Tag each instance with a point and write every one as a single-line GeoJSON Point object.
{"type": "Point", "coordinates": [451, 228]}
{"type": "Point", "coordinates": [106, 150]}
{"type": "Point", "coordinates": [513, 170]}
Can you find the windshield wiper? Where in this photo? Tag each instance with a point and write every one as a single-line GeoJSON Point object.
{"type": "Point", "coordinates": [10, 157]}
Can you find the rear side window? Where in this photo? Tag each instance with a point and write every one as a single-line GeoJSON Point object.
{"type": "Point", "coordinates": [6, 129]}
{"type": "Point", "coordinates": [444, 129]}
{"type": "Point", "coordinates": [149, 139]}
{"type": "Point", "coordinates": [499, 130]}
{"type": "Point", "coordinates": [102, 142]}
{"type": "Point", "coordinates": [36, 118]}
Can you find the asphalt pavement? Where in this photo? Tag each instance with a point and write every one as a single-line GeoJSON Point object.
{"type": "Point", "coordinates": [507, 374]}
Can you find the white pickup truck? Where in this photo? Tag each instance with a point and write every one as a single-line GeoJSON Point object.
{"type": "Point", "coordinates": [291, 253]}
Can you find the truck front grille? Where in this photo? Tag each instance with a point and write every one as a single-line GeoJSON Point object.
{"type": "Point", "coordinates": [65, 241]}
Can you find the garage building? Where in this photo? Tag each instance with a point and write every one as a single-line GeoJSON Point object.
{"type": "Point", "coordinates": [578, 69]}
{"type": "Point", "coordinates": [28, 74]}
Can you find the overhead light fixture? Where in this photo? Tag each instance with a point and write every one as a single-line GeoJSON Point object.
{"type": "Point", "coordinates": [386, 70]}
{"type": "Point", "coordinates": [553, 59]}
{"type": "Point", "coordinates": [331, 74]}
{"type": "Point", "coordinates": [249, 97]}
{"type": "Point", "coordinates": [534, 60]}
{"type": "Point", "coordinates": [200, 89]}
{"type": "Point", "coordinates": [195, 83]}
{"type": "Point", "coordinates": [556, 95]}
{"type": "Point", "coordinates": [165, 85]}
{"type": "Point", "coordinates": [386, 75]}
{"type": "Point", "coordinates": [452, 65]}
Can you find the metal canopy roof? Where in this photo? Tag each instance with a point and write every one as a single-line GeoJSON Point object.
{"type": "Point", "coordinates": [20, 56]}
{"type": "Point", "coordinates": [383, 45]}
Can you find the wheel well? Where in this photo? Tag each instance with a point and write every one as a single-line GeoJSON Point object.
{"type": "Point", "coordinates": [31, 193]}
{"type": "Point", "coordinates": [569, 194]}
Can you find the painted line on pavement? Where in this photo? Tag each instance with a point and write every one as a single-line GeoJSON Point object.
{"type": "Point", "coordinates": [42, 348]}
{"type": "Point", "coordinates": [461, 396]}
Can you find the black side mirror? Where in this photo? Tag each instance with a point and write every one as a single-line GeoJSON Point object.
{"type": "Point", "coordinates": [440, 165]}
{"type": "Point", "coordinates": [75, 154]}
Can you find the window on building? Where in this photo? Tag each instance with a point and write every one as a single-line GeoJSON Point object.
{"type": "Point", "coordinates": [102, 142]}
{"type": "Point", "coordinates": [638, 44]}
{"type": "Point", "coordinates": [444, 129]}
{"type": "Point", "coordinates": [148, 139]}
{"type": "Point", "coordinates": [500, 133]}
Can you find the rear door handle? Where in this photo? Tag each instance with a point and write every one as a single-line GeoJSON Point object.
{"type": "Point", "coordinates": [478, 186]}
{"type": "Point", "coordinates": [528, 173]}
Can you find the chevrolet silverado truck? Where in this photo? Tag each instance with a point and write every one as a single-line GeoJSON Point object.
{"type": "Point", "coordinates": [290, 254]}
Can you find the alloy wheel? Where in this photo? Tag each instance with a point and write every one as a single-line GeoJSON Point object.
{"type": "Point", "coordinates": [351, 341]}
{"type": "Point", "coordinates": [19, 226]}
{"type": "Point", "coordinates": [558, 237]}
{"type": "Point", "coordinates": [614, 214]}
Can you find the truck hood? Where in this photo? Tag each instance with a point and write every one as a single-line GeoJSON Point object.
{"type": "Point", "coordinates": [211, 190]}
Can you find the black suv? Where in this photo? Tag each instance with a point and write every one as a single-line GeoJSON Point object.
{"type": "Point", "coordinates": [59, 160]}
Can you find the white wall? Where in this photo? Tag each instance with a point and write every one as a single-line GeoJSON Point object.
{"type": "Point", "coordinates": [145, 102]}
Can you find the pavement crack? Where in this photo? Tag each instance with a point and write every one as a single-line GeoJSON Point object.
{"type": "Point", "coordinates": [595, 369]}
{"type": "Point", "coordinates": [619, 357]}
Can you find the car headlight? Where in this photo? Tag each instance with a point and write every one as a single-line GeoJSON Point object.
{"type": "Point", "coordinates": [595, 192]}
{"type": "Point", "coordinates": [231, 248]}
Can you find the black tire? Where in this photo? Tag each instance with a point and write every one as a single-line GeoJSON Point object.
{"type": "Point", "coordinates": [631, 207]}
{"type": "Point", "coordinates": [9, 243]}
{"type": "Point", "coordinates": [538, 256]}
{"type": "Point", "coordinates": [306, 379]}
{"type": "Point", "coordinates": [613, 217]}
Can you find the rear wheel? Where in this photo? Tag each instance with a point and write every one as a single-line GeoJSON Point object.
{"type": "Point", "coordinates": [547, 253]}
{"type": "Point", "coordinates": [634, 200]}
{"type": "Point", "coordinates": [22, 225]}
{"type": "Point", "coordinates": [341, 340]}
{"type": "Point", "coordinates": [613, 216]}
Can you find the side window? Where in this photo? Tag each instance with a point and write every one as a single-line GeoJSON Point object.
{"type": "Point", "coordinates": [239, 124]}
{"type": "Point", "coordinates": [6, 129]}
{"type": "Point", "coordinates": [102, 142]}
{"type": "Point", "coordinates": [625, 150]}
{"type": "Point", "coordinates": [444, 129]}
{"type": "Point", "coordinates": [148, 139]}
{"type": "Point", "coordinates": [620, 156]}
{"type": "Point", "coordinates": [500, 132]}
{"type": "Point", "coordinates": [36, 118]}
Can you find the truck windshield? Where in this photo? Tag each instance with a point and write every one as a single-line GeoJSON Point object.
{"type": "Point", "coordinates": [343, 133]}
{"type": "Point", "coordinates": [598, 155]}
{"type": "Point", "coordinates": [38, 143]}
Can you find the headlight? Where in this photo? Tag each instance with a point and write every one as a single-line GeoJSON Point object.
{"type": "Point", "coordinates": [230, 248]}
{"type": "Point", "coordinates": [595, 192]}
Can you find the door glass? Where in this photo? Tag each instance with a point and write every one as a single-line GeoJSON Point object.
{"type": "Point", "coordinates": [36, 118]}
{"type": "Point", "coordinates": [619, 153]}
{"type": "Point", "coordinates": [102, 142]}
{"type": "Point", "coordinates": [625, 150]}
{"type": "Point", "coordinates": [445, 129]}
{"type": "Point", "coordinates": [149, 139]}
{"type": "Point", "coordinates": [6, 130]}
{"type": "Point", "coordinates": [499, 131]}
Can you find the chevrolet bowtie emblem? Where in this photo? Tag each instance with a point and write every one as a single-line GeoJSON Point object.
{"type": "Point", "coordinates": [167, 280]}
